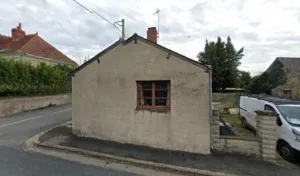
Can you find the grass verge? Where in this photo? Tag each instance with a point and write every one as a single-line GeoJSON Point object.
{"type": "Point", "coordinates": [235, 122]}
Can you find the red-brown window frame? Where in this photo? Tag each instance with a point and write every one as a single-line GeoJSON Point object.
{"type": "Point", "coordinates": [153, 106]}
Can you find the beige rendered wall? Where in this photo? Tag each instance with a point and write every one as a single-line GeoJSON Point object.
{"type": "Point", "coordinates": [105, 98]}
{"type": "Point", "coordinates": [10, 106]}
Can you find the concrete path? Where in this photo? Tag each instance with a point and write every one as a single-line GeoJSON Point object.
{"type": "Point", "coordinates": [16, 129]}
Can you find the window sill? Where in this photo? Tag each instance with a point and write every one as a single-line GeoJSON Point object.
{"type": "Point", "coordinates": [153, 109]}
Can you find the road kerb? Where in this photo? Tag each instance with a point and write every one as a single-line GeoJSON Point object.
{"type": "Point", "coordinates": [131, 160]}
{"type": "Point", "coordinates": [35, 140]}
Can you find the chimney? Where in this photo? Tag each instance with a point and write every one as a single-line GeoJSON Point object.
{"type": "Point", "coordinates": [20, 26]}
{"type": "Point", "coordinates": [152, 34]}
{"type": "Point", "coordinates": [17, 33]}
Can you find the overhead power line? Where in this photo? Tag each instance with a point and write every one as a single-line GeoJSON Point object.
{"type": "Point", "coordinates": [83, 6]}
{"type": "Point", "coordinates": [94, 12]}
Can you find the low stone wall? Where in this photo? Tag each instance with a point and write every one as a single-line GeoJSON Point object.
{"type": "Point", "coordinates": [263, 146]}
{"type": "Point", "coordinates": [233, 98]}
{"type": "Point", "coordinates": [10, 106]}
{"type": "Point", "coordinates": [23, 57]}
{"type": "Point", "coordinates": [249, 146]}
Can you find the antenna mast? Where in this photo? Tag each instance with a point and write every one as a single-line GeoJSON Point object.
{"type": "Point", "coordinates": [157, 12]}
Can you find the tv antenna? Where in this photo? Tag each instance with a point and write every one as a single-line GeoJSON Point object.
{"type": "Point", "coordinates": [157, 12]}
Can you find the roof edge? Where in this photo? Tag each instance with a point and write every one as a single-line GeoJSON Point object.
{"type": "Point", "coordinates": [95, 57]}
{"type": "Point", "coordinates": [70, 61]}
{"type": "Point", "coordinates": [185, 58]}
{"type": "Point", "coordinates": [270, 66]}
{"type": "Point", "coordinates": [136, 36]}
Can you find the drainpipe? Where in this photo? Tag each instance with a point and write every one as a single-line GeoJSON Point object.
{"type": "Point", "coordinates": [210, 101]}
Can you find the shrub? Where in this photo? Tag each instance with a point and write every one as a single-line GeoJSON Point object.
{"type": "Point", "coordinates": [22, 79]}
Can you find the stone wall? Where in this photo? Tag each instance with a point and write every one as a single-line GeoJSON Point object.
{"type": "Point", "coordinates": [233, 98]}
{"type": "Point", "coordinates": [247, 146]}
{"type": "Point", "coordinates": [27, 58]}
{"type": "Point", "coordinates": [10, 106]}
{"type": "Point", "coordinates": [215, 127]}
{"type": "Point", "coordinates": [263, 146]}
{"type": "Point", "coordinates": [287, 91]}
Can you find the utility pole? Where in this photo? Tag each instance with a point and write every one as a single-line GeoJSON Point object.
{"type": "Point", "coordinates": [123, 29]}
{"type": "Point", "coordinates": [121, 24]}
{"type": "Point", "coordinates": [157, 12]}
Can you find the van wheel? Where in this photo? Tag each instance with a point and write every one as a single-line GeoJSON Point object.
{"type": "Point", "coordinates": [244, 123]}
{"type": "Point", "coordinates": [286, 151]}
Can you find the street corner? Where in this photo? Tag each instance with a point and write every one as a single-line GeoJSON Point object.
{"type": "Point", "coordinates": [33, 142]}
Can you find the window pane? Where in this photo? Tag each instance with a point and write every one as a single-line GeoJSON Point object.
{"type": "Point", "coordinates": [161, 84]}
{"type": "Point", "coordinates": [147, 93]}
{"type": "Point", "coordinates": [161, 102]}
{"type": "Point", "coordinates": [146, 85]}
{"type": "Point", "coordinates": [269, 108]}
{"type": "Point", "coordinates": [161, 93]}
{"type": "Point", "coordinates": [146, 101]}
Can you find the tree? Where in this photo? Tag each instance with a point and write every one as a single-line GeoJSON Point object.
{"type": "Point", "coordinates": [244, 79]}
{"type": "Point", "coordinates": [224, 60]}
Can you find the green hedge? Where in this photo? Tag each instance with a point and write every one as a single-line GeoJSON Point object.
{"type": "Point", "coordinates": [23, 79]}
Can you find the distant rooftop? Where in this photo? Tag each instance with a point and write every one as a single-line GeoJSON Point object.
{"type": "Point", "coordinates": [32, 44]}
{"type": "Point", "coordinates": [292, 64]}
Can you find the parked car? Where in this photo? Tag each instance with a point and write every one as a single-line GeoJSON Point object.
{"type": "Point", "coordinates": [288, 121]}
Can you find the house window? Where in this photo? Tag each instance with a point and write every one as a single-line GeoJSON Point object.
{"type": "Point", "coordinates": [287, 93]}
{"type": "Point", "coordinates": [153, 95]}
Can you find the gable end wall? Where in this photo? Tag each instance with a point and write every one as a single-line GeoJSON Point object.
{"type": "Point", "coordinates": [104, 100]}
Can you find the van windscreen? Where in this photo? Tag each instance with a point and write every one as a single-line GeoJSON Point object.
{"type": "Point", "coordinates": [291, 113]}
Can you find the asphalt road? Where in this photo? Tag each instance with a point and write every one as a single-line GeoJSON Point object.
{"type": "Point", "coordinates": [16, 129]}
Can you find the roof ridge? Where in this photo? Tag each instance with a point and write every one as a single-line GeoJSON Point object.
{"type": "Point", "coordinates": [287, 57]}
{"type": "Point", "coordinates": [110, 47]}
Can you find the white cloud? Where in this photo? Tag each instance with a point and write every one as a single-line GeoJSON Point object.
{"type": "Point", "coordinates": [265, 28]}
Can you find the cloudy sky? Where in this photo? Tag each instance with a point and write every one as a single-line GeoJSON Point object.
{"type": "Point", "coordinates": [265, 28]}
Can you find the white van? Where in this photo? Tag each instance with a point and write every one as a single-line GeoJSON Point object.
{"type": "Point", "coordinates": [288, 121]}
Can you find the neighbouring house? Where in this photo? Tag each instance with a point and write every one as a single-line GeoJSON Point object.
{"type": "Point", "coordinates": [30, 48]}
{"type": "Point", "coordinates": [139, 92]}
{"type": "Point", "coordinates": [291, 68]}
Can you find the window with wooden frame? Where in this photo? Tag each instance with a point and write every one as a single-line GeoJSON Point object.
{"type": "Point", "coordinates": [153, 95]}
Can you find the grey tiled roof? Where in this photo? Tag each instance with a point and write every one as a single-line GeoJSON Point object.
{"type": "Point", "coordinates": [290, 64]}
